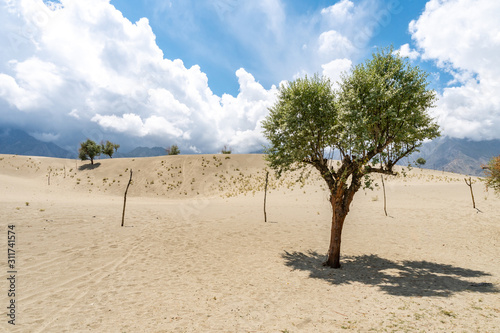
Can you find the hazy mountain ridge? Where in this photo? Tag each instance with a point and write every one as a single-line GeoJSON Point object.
{"type": "Point", "coordinates": [458, 155]}
{"type": "Point", "coordinates": [453, 155]}
{"type": "Point", "coordinates": [18, 142]}
{"type": "Point", "coordinates": [143, 152]}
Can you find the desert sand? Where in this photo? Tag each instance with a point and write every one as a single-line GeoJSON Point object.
{"type": "Point", "coordinates": [195, 254]}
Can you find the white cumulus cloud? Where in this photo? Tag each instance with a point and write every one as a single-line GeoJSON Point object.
{"type": "Point", "coordinates": [80, 69]}
{"type": "Point", "coordinates": [76, 69]}
{"type": "Point", "coordinates": [463, 38]}
{"type": "Point", "coordinates": [335, 68]}
{"type": "Point", "coordinates": [334, 43]}
{"type": "Point", "coordinates": [405, 51]}
{"type": "Point", "coordinates": [340, 11]}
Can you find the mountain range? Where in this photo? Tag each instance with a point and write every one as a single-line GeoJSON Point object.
{"type": "Point", "coordinates": [448, 154]}
{"type": "Point", "coordinates": [18, 142]}
{"type": "Point", "coordinates": [142, 152]}
{"type": "Point", "coordinates": [458, 155]}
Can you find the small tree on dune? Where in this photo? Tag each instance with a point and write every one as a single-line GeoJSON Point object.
{"type": "Point", "coordinates": [378, 116]}
{"type": "Point", "coordinates": [89, 150]}
{"type": "Point", "coordinates": [492, 171]}
{"type": "Point", "coordinates": [420, 162]}
{"type": "Point", "coordinates": [173, 150]}
{"type": "Point", "coordinates": [226, 150]}
{"type": "Point", "coordinates": [109, 148]}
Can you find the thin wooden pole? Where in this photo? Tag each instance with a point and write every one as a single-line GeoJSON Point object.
{"type": "Point", "coordinates": [125, 197]}
{"type": "Point", "coordinates": [265, 197]}
{"type": "Point", "coordinates": [469, 183]}
{"type": "Point", "coordinates": [385, 202]}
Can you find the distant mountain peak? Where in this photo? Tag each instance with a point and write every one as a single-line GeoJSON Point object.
{"type": "Point", "coordinates": [145, 152]}
{"type": "Point", "coordinates": [462, 156]}
{"type": "Point", "coordinates": [18, 142]}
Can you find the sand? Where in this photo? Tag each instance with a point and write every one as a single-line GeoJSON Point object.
{"type": "Point", "coordinates": [195, 254]}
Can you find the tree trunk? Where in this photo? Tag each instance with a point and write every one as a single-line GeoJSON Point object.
{"type": "Point", "coordinates": [338, 218]}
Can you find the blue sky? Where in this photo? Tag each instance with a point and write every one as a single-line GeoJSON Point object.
{"type": "Point", "coordinates": [205, 40]}
{"type": "Point", "coordinates": [202, 73]}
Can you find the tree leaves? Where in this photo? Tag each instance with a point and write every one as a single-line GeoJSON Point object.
{"type": "Point", "coordinates": [379, 113]}
{"type": "Point", "coordinates": [88, 150]}
{"type": "Point", "coordinates": [300, 125]}
{"type": "Point", "coordinates": [493, 174]}
{"type": "Point", "coordinates": [109, 148]}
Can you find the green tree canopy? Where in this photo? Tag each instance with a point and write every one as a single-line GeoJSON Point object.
{"type": "Point", "coordinates": [420, 161]}
{"type": "Point", "coordinates": [109, 148]}
{"type": "Point", "coordinates": [378, 116]}
{"type": "Point", "coordinates": [89, 150]}
{"type": "Point", "coordinates": [173, 150]}
{"type": "Point", "coordinates": [492, 171]}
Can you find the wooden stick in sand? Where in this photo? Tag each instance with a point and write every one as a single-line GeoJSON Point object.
{"type": "Point", "coordinates": [125, 197]}
{"type": "Point", "coordinates": [469, 183]}
{"type": "Point", "coordinates": [265, 197]}
{"type": "Point", "coordinates": [385, 201]}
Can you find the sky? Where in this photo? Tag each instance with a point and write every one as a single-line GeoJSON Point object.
{"type": "Point", "coordinates": [202, 73]}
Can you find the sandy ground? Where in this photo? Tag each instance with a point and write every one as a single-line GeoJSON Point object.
{"type": "Point", "coordinates": [196, 256]}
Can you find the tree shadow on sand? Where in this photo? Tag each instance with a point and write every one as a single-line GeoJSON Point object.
{"type": "Point", "coordinates": [407, 278]}
{"type": "Point", "coordinates": [89, 166]}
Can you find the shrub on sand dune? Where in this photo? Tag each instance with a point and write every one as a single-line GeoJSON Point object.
{"type": "Point", "coordinates": [492, 171]}
{"type": "Point", "coordinates": [173, 150]}
{"type": "Point", "coordinates": [226, 150]}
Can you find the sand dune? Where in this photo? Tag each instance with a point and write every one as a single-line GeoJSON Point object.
{"type": "Point", "coordinates": [196, 256]}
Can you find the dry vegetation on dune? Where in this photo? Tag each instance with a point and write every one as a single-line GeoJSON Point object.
{"type": "Point", "coordinates": [166, 176]}
{"type": "Point", "coordinates": [184, 176]}
{"type": "Point", "coordinates": [196, 256]}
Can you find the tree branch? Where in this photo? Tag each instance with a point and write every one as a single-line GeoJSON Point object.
{"type": "Point", "coordinates": [406, 153]}
{"type": "Point", "coordinates": [328, 174]}
{"type": "Point", "coordinates": [369, 169]}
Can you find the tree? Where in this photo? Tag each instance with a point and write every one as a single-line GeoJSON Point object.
{"type": "Point", "coordinates": [377, 117]}
{"type": "Point", "coordinates": [492, 171]}
{"type": "Point", "coordinates": [88, 150]}
{"type": "Point", "coordinates": [173, 150]}
{"type": "Point", "coordinates": [226, 150]}
{"type": "Point", "coordinates": [109, 148]}
{"type": "Point", "coordinates": [420, 162]}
